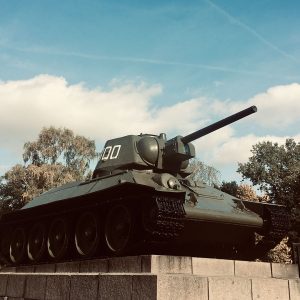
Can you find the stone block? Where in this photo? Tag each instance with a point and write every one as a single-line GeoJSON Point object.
{"type": "Point", "coordinates": [232, 288]}
{"type": "Point", "coordinates": [285, 271]}
{"type": "Point", "coordinates": [294, 286]}
{"type": "Point", "coordinates": [58, 287]}
{"type": "Point", "coordinates": [67, 267]}
{"type": "Point", "coordinates": [128, 264]}
{"type": "Point", "coordinates": [167, 264]}
{"type": "Point", "coordinates": [144, 287]}
{"type": "Point", "coordinates": [3, 284]}
{"type": "Point", "coordinates": [45, 268]}
{"type": "Point", "coordinates": [177, 287]}
{"type": "Point", "coordinates": [252, 269]}
{"type": "Point", "coordinates": [25, 269]}
{"type": "Point", "coordinates": [270, 289]}
{"type": "Point", "coordinates": [94, 266]}
{"type": "Point", "coordinates": [212, 267]}
{"type": "Point", "coordinates": [84, 286]}
{"type": "Point", "coordinates": [16, 285]}
{"type": "Point", "coordinates": [115, 286]}
{"type": "Point", "coordinates": [35, 286]}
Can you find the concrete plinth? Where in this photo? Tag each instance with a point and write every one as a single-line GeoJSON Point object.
{"type": "Point", "coordinates": [212, 267]}
{"type": "Point", "coordinates": [294, 288]}
{"type": "Point", "coordinates": [57, 287]}
{"type": "Point", "coordinates": [152, 277]}
{"type": "Point", "coordinates": [284, 271]}
{"type": "Point", "coordinates": [270, 289]}
{"type": "Point", "coordinates": [252, 269]}
{"type": "Point", "coordinates": [238, 288]}
{"type": "Point", "coordinates": [108, 286]}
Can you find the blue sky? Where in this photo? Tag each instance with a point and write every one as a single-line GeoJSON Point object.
{"type": "Point", "coordinates": [190, 63]}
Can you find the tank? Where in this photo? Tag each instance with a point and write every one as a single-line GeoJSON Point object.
{"type": "Point", "coordinates": [139, 200]}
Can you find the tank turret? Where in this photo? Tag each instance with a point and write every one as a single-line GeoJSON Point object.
{"type": "Point", "coordinates": [155, 152]}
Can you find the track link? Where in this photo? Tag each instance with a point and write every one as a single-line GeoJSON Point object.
{"type": "Point", "coordinates": [277, 220]}
{"type": "Point", "coordinates": [169, 220]}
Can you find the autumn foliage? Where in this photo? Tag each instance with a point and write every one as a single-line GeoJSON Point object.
{"type": "Point", "coordinates": [58, 156]}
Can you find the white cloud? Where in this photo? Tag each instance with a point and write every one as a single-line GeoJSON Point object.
{"type": "Point", "coordinates": [237, 149]}
{"type": "Point", "coordinates": [279, 106]}
{"type": "Point", "coordinates": [29, 105]}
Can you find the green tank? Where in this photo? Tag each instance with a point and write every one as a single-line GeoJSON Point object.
{"type": "Point", "coordinates": [139, 200]}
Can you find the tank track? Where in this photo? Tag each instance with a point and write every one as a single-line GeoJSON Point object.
{"type": "Point", "coordinates": [166, 224]}
{"type": "Point", "coordinates": [277, 220]}
{"type": "Point", "coordinates": [169, 221]}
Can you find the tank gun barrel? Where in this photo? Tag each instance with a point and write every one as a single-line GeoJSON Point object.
{"type": "Point", "coordinates": [222, 123]}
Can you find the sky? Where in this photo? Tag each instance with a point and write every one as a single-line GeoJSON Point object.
{"type": "Point", "coordinates": [110, 68]}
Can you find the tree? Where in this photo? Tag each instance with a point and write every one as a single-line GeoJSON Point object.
{"type": "Point", "coordinates": [242, 191]}
{"type": "Point", "coordinates": [203, 172]}
{"type": "Point", "coordinates": [246, 192]}
{"type": "Point", "coordinates": [276, 170]}
{"type": "Point", "coordinates": [56, 157]}
{"type": "Point", "coordinates": [230, 188]}
{"type": "Point", "coordinates": [60, 146]}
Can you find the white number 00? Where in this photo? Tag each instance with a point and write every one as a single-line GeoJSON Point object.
{"type": "Point", "coordinates": [111, 152]}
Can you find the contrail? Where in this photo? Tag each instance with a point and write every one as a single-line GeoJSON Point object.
{"type": "Point", "coordinates": [145, 61]}
{"type": "Point", "coordinates": [251, 30]}
{"type": "Point", "coordinates": [142, 60]}
{"type": "Point", "coordinates": [161, 62]}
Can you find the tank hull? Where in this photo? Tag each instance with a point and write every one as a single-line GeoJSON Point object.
{"type": "Point", "coordinates": [122, 214]}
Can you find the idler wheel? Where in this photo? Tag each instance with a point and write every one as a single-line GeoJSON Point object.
{"type": "Point", "coordinates": [36, 244]}
{"type": "Point", "coordinates": [58, 239]}
{"type": "Point", "coordinates": [118, 227]}
{"type": "Point", "coordinates": [87, 234]}
{"type": "Point", "coordinates": [17, 248]}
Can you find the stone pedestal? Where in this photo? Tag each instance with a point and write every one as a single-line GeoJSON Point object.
{"type": "Point", "coordinates": [152, 277]}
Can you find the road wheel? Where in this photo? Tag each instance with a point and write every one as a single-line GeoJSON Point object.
{"type": "Point", "coordinates": [118, 228]}
{"type": "Point", "coordinates": [58, 239]}
{"type": "Point", "coordinates": [17, 248]}
{"type": "Point", "coordinates": [5, 245]}
{"type": "Point", "coordinates": [36, 244]}
{"type": "Point", "coordinates": [87, 234]}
